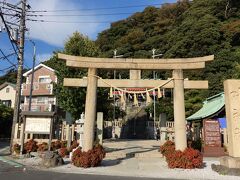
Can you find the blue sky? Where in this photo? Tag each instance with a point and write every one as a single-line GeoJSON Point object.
{"type": "Point", "coordinates": [50, 36]}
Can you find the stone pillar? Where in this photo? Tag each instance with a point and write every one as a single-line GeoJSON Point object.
{"type": "Point", "coordinates": [225, 137]}
{"type": "Point", "coordinates": [69, 136]}
{"type": "Point", "coordinates": [73, 131]}
{"type": "Point", "coordinates": [90, 109]}
{"type": "Point", "coordinates": [135, 74]}
{"type": "Point", "coordinates": [179, 111]}
{"type": "Point", "coordinates": [232, 106]}
{"type": "Point", "coordinates": [100, 127]}
{"type": "Point", "coordinates": [67, 132]}
{"type": "Point", "coordinates": [16, 131]}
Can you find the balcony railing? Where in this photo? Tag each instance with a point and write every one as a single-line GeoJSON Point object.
{"type": "Point", "coordinates": [38, 89]}
{"type": "Point", "coordinates": [38, 107]}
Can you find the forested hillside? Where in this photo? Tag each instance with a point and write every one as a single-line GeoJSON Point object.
{"type": "Point", "coordinates": [185, 29]}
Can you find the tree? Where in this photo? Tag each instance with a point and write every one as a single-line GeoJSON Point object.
{"type": "Point", "coordinates": [183, 29]}
{"type": "Point", "coordinates": [72, 99]}
{"type": "Point", "coordinates": [6, 117]}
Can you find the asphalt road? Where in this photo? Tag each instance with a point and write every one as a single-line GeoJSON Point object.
{"type": "Point", "coordinates": [11, 171]}
{"type": "Point", "coordinates": [43, 175]}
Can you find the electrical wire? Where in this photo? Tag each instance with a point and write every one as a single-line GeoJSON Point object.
{"type": "Point", "coordinates": [3, 57]}
{"type": "Point", "coordinates": [6, 58]}
{"type": "Point", "coordinates": [68, 22]}
{"type": "Point", "coordinates": [9, 34]}
{"type": "Point", "coordinates": [3, 70]}
{"type": "Point", "coordinates": [103, 14]}
{"type": "Point", "coordinates": [101, 8]}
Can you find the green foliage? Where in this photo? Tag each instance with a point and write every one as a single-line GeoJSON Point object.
{"type": "Point", "coordinates": [72, 99]}
{"type": "Point", "coordinates": [184, 29]}
{"type": "Point", "coordinates": [6, 117]}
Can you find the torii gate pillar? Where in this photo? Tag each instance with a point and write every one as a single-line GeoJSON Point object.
{"type": "Point", "coordinates": [179, 111]}
{"type": "Point", "coordinates": [90, 109]}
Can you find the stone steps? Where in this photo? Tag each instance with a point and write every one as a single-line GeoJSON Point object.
{"type": "Point", "coordinates": [152, 154]}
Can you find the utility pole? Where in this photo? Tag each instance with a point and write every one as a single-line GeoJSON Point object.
{"type": "Point", "coordinates": [32, 78]}
{"type": "Point", "coordinates": [19, 73]}
{"type": "Point", "coordinates": [154, 94]}
{"type": "Point", "coordinates": [114, 96]}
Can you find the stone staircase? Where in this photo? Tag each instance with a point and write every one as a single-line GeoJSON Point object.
{"type": "Point", "coordinates": [132, 149]}
{"type": "Point", "coordinates": [135, 127]}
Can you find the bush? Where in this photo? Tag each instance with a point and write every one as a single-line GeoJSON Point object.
{"type": "Point", "coordinates": [74, 145]}
{"type": "Point", "coordinates": [63, 144]}
{"type": "Point", "coordinates": [167, 147]}
{"type": "Point", "coordinates": [16, 148]}
{"type": "Point", "coordinates": [91, 158]}
{"type": "Point", "coordinates": [43, 147]}
{"type": "Point", "coordinates": [188, 159]}
{"type": "Point", "coordinates": [58, 144]}
{"type": "Point", "coordinates": [63, 152]}
{"type": "Point", "coordinates": [30, 146]}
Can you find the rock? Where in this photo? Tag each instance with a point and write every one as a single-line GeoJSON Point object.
{"type": "Point", "coordinates": [52, 159]}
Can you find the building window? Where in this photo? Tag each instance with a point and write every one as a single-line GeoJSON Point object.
{"type": "Point", "coordinates": [43, 79]}
{"type": "Point", "coordinates": [7, 103]}
{"type": "Point", "coordinates": [42, 100]}
{"type": "Point", "coordinates": [7, 90]}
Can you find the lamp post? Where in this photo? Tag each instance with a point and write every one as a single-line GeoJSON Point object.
{"type": "Point", "coordinates": [33, 66]}
{"type": "Point", "coordinates": [114, 99]}
{"type": "Point", "coordinates": [154, 94]}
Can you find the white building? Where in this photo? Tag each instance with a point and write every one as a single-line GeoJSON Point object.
{"type": "Point", "coordinates": [7, 94]}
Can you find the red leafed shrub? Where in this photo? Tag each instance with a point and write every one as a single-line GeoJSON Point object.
{"type": "Point", "coordinates": [63, 152]}
{"type": "Point", "coordinates": [56, 145]}
{"type": "Point", "coordinates": [43, 147]}
{"type": "Point", "coordinates": [76, 154]}
{"type": "Point", "coordinates": [188, 159]}
{"type": "Point", "coordinates": [167, 148]}
{"type": "Point", "coordinates": [63, 144]}
{"type": "Point", "coordinates": [74, 145]}
{"type": "Point", "coordinates": [30, 146]}
{"type": "Point", "coordinates": [91, 158]}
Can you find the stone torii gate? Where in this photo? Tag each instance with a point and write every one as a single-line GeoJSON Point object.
{"type": "Point", "coordinates": [135, 66]}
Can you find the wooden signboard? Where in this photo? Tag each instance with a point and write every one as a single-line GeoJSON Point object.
{"type": "Point", "coordinates": [212, 138]}
{"type": "Point", "coordinates": [38, 125]}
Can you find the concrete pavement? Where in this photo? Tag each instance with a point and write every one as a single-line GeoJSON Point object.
{"type": "Point", "coordinates": [135, 159]}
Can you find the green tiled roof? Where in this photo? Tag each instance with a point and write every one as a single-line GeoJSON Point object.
{"type": "Point", "coordinates": [211, 106]}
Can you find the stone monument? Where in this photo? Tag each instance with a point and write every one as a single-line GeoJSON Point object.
{"type": "Point", "coordinates": [232, 106]}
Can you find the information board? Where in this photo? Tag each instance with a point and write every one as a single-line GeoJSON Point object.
{"type": "Point", "coordinates": [38, 125]}
{"type": "Point", "coordinates": [212, 136]}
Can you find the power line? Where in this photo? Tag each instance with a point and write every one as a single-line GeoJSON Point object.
{"type": "Point", "coordinates": [5, 57]}
{"type": "Point", "coordinates": [101, 14]}
{"type": "Point", "coordinates": [5, 69]}
{"type": "Point", "coordinates": [9, 34]}
{"type": "Point", "coordinates": [101, 8]}
{"type": "Point", "coordinates": [69, 22]}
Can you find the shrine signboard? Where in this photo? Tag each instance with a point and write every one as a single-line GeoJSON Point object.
{"type": "Point", "coordinates": [38, 125]}
{"type": "Point", "coordinates": [212, 138]}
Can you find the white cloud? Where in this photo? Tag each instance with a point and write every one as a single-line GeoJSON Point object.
{"type": "Point", "coordinates": [57, 33]}
{"type": "Point", "coordinates": [43, 57]}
